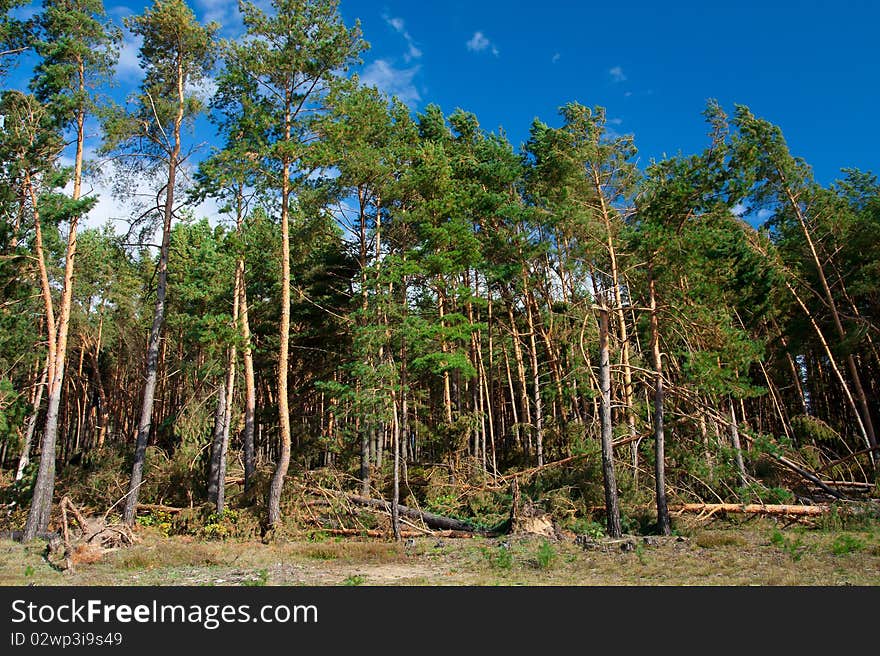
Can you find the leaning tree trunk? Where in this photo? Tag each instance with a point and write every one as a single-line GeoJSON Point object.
{"type": "Point", "coordinates": [145, 422]}
{"type": "Point", "coordinates": [860, 395]}
{"type": "Point", "coordinates": [24, 458]}
{"type": "Point", "coordinates": [867, 435]}
{"type": "Point", "coordinates": [146, 418]}
{"type": "Point", "coordinates": [44, 486]}
{"type": "Point", "coordinates": [628, 395]}
{"type": "Point", "coordinates": [612, 507]}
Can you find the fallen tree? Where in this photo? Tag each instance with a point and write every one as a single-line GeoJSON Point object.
{"type": "Point", "coordinates": [92, 537]}
{"type": "Point", "coordinates": [430, 519]}
{"type": "Point", "coordinates": [750, 508]}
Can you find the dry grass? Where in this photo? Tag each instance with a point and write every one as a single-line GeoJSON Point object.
{"type": "Point", "coordinates": [756, 553]}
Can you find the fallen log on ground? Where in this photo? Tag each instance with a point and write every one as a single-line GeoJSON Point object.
{"type": "Point", "coordinates": [158, 507]}
{"type": "Point", "coordinates": [858, 485]}
{"type": "Point", "coordinates": [430, 519]}
{"type": "Point", "coordinates": [751, 508]}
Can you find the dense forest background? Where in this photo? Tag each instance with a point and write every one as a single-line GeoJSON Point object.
{"type": "Point", "coordinates": [400, 299]}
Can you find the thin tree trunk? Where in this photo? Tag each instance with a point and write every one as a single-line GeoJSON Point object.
{"type": "Point", "coordinates": [447, 390]}
{"type": "Point", "coordinates": [737, 448]}
{"type": "Point", "coordinates": [24, 458]}
{"type": "Point", "coordinates": [867, 422]}
{"type": "Point", "coordinates": [146, 418]}
{"type": "Point", "coordinates": [283, 463]}
{"type": "Point", "coordinates": [250, 390]}
{"type": "Point", "coordinates": [663, 524]}
{"type": "Point", "coordinates": [395, 493]}
{"type": "Point", "coordinates": [227, 405]}
{"type": "Point", "coordinates": [101, 412]}
{"type": "Point", "coordinates": [621, 325]}
{"type": "Point", "coordinates": [364, 433]}
{"type": "Point", "coordinates": [250, 402]}
{"type": "Point", "coordinates": [612, 507]}
{"type": "Point", "coordinates": [526, 411]}
{"type": "Point", "coordinates": [214, 483]}
{"type": "Point", "coordinates": [539, 415]}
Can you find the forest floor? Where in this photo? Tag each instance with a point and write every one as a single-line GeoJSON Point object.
{"type": "Point", "coordinates": [723, 552]}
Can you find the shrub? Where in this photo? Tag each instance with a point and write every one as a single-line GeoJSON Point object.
{"type": "Point", "coordinates": [546, 555]}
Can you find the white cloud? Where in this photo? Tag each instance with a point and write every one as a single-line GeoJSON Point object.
{"type": "Point", "coordinates": [204, 90]}
{"type": "Point", "coordinates": [227, 15]}
{"type": "Point", "coordinates": [739, 210]}
{"type": "Point", "coordinates": [615, 121]}
{"type": "Point", "coordinates": [117, 208]}
{"type": "Point", "coordinates": [222, 11]}
{"type": "Point", "coordinates": [617, 74]}
{"type": "Point", "coordinates": [480, 42]}
{"type": "Point", "coordinates": [399, 26]}
{"type": "Point", "coordinates": [556, 58]}
{"type": "Point", "coordinates": [393, 81]}
{"type": "Point", "coordinates": [129, 67]}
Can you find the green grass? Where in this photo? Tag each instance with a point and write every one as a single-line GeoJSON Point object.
{"type": "Point", "coordinates": [846, 544]}
{"type": "Point", "coordinates": [546, 555]}
{"type": "Point", "coordinates": [260, 581]}
{"type": "Point", "coordinates": [721, 553]}
{"type": "Point", "coordinates": [794, 548]}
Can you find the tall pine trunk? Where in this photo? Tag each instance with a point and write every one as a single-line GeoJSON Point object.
{"type": "Point", "coordinates": [612, 507]}
{"type": "Point", "coordinates": [152, 365]}
{"type": "Point", "coordinates": [250, 390]}
{"type": "Point", "coordinates": [283, 463]}
{"type": "Point", "coordinates": [663, 525]}
{"type": "Point", "coordinates": [214, 483]}
{"type": "Point", "coordinates": [536, 383]}
{"type": "Point", "coordinates": [44, 486]}
{"type": "Point", "coordinates": [45, 479]}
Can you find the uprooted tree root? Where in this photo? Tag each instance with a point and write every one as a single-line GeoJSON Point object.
{"type": "Point", "coordinates": [85, 539]}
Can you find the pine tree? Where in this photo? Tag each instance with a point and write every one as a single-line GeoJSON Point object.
{"type": "Point", "coordinates": [78, 51]}
{"type": "Point", "coordinates": [294, 55]}
{"type": "Point", "coordinates": [177, 54]}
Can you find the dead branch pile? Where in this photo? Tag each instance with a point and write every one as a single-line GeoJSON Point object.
{"type": "Point", "coordinates": [85, 539]}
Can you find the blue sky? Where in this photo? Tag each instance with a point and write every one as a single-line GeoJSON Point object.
{"type": "Point", "coordinates": [810, 66]}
